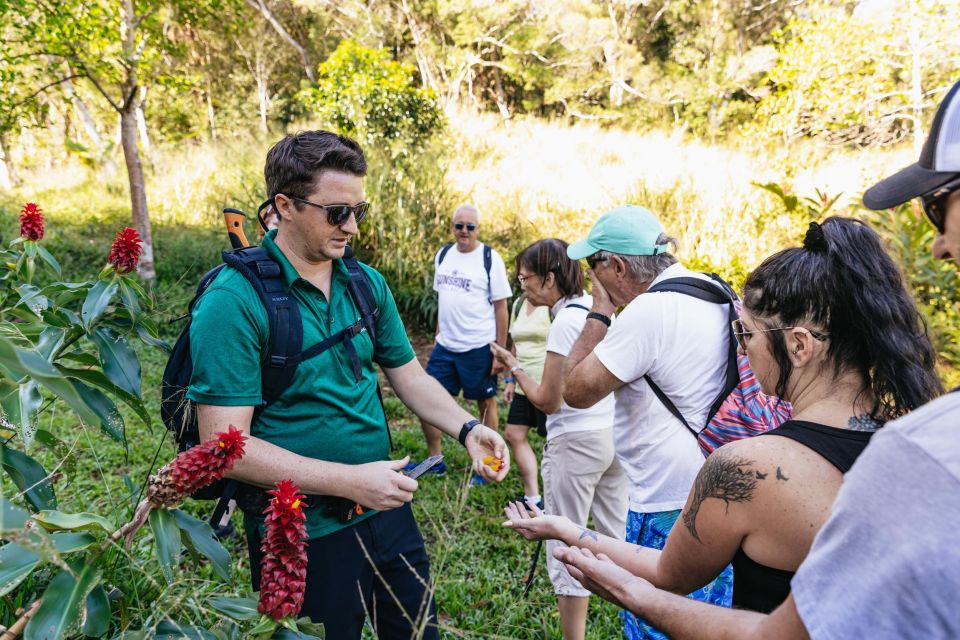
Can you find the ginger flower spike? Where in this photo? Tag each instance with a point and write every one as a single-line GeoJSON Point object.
{"type": "Point", "coordinates": [283, 570]}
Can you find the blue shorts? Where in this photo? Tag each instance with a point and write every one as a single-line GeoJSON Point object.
{"type": "Point", "coordinates": [651, 530]}
{"type": "Point", "coordinates": [469, 370]}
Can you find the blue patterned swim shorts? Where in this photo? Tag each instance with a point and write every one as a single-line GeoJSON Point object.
{"type": "Point", "coordinates": [651, 530]}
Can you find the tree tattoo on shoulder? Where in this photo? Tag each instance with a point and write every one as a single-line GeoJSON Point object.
{"type": "Point", "coordinates": [724, 477]}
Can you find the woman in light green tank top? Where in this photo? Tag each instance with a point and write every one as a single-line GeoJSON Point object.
{"type": "Point", "coordinates": [528, 329]}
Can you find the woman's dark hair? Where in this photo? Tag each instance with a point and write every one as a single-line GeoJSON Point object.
{"type": "Point", "coordinates": [843, 282]}
{"type": "Point", "coordinates": [294, 164]}
{"type": "Point", "coordinates": [550, 256]}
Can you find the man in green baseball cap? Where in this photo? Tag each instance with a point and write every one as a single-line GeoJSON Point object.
{"type": "Point", "coordinates": [680, 342]}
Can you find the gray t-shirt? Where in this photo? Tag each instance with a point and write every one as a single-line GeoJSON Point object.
{"type": "Point", "coordinates": [887, 562]}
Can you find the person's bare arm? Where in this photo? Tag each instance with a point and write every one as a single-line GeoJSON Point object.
{"type": "Point", "coordinates": [587, 381]}
{"type": "Point", "coordinates": [680, 617]}
{"type": "Point", "coordinates": [376, 485]}
{"type": "Point", "coordinates": [431, 403]}
{"type": "Point", "coordinates": [548, 394]}
{"type": "Point", "coordinates": [502, 316]}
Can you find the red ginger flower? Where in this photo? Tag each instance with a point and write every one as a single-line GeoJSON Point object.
{"type": "Point", "coordinates": [283, 570]}
{"type": "Point", "coordinates": [31, 222]}
{"type": "Point", "coordinates": [125, 252]}
{"type": "Point", "coordinates": [196, 468]}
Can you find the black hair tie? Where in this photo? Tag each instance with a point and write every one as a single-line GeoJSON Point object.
{"type": "Point", "coordinates": [815, 240]}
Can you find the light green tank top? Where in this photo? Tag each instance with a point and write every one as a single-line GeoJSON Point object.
{"type": "Point", "coordinates": [529, 333]}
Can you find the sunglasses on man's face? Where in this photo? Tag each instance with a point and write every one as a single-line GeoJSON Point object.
{"type": "Point", "coordinates": [337, 214]}
{"type": "Point", "coordinates": [460, 225]}
{"type": "Point", "coordinates": [935, 203]}
{"type": "Point", "coordinates": [594, 260]}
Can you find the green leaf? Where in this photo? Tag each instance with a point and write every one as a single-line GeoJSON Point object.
{"type": "Point", "coordinates": [60, 521]}
{"type": "Point", "coordinates": [50, 340]}
{"type": "Point", "coordinates": [31, 298]}
{"type": "Point", "coordinates": [306, 625]}
{"type": "Point", "coordinates": [96, 623]}
{"type": "Point", "coordinates": [32, 364]}
{"type": "Point", "coordinates": [167, 535]}
{"type": "Point", "coordinates": [168, 630]}
{"type": "Point", "coordinates": [149, 337]}
{"type": "Point", "coordinates": [111, 422]}
{"type": "Point", "coordinates": [119, 360]}
{"type": "Point", "coordinates": [29, 476]}
{"type": "Point", "coordinates": [200, 539]}
{"type": "Point", "coordinates": [16, 563]}
{"type": "Point", "coordinates": [128, 296]}
{"type": "Point", "coordinates": [236, 608]}
{"type": "Point", "coordinates": [266, 625]}
{"type": "Point", "coordinates": [49, 259]}
{"type": "Point", "coordinates": [29, 401]}
{"type": "Point", "coordinates": [12, 517]}
{"type": "Point", "coordinates": [98, 379]}
{"type": "Point", "coordinates": [80, 357]}
{"type": "Point", "coordinates": [62, 604]}
{"type": "Point", "coordinates": [98, 299]}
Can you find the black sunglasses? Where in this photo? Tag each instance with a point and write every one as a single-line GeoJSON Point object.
{"type": "Point", "coordinates": [935, 203]}
{"type": "Point", "coordinates": [594, 260]}
{"type": "Point", "coordinates": [337, 214]}
{"type": "Point", "coordinates": [460, 225]}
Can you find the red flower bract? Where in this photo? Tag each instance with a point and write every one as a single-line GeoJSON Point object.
{"type": "Point", "coordinates": [31, 222]}
{"type": "Point", "coordinates": [283, 570]}
{"type": "Point", "coordinates": [196, 467]}
{"type": "Point", "coordinates": [125, 252]}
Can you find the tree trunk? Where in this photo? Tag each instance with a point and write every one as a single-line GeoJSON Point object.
{"type": "Point", "coordinates": [138, 192]}
{"type": "Point", "coordinates": [9, 178]}
{"type": "Point", "coordinates": [130, 118]}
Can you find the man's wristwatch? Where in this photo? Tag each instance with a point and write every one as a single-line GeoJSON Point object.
{"type": "Point", "coordinates": [599, 316]}
{"type": "Point", "coordinates": [465, 429]}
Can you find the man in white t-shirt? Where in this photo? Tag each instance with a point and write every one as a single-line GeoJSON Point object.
{"type": "Point", "coordinates": [472, 292]}
{"type": "Point", "coordinates": [679, 342]}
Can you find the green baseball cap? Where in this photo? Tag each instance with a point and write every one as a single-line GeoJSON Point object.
{"type": "Point", "coordinates": [628, 230]}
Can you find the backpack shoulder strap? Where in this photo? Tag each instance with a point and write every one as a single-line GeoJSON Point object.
{"type": "Point", "coordinates": [576, 306]}
{"type": "Point", "coordinates": [283, 315]}
{"type": "Point", "coordinates": [444, 250]}
{"type": "Point", "coordinates": [719, 293]}
{"type": "Point", "coordinates": [487, 264]}
{"type": "Point", "coordinates": [362, 294]}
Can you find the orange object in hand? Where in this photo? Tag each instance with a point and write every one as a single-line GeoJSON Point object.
{"type": "Point", "coordinates": [494, 463]}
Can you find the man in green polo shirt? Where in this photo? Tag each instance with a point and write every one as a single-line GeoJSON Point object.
{"type": "Point", "coordinates": [327, 430]}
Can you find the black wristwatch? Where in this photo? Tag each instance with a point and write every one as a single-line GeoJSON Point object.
{"type": "Point", "coordinates": [465, 429]}
{"type": "Point", "coordinates": [599, 316]}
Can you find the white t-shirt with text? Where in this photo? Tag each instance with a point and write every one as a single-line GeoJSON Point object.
{"type": "Point", "coordinates": [465, 315]}
{"type": "Point", "coordinates": [681, 343]}
{"type": "Point", "coordinates": [567, 325]}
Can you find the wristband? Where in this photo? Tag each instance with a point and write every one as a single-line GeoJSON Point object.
{"type": "Point", "coordinates": [465, 429]}
{"type": "Point", "coordinates": [510, 379]}
{"type": "Point", "coordinates": [599, 316]}
{"type": "Point", "coordinates": [516, 368]}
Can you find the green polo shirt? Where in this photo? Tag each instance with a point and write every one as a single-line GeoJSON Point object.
{"type": "Point", "coordinates": [324, 413]}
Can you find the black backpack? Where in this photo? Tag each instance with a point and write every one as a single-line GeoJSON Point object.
{"type": "Point", "coordinates": [721, 293]}
{"type": "Point", "coordinates": [285, 351]}
{"type": "Point", "coordinates": [487, 263]}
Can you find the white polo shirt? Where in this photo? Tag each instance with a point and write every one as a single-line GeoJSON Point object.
{"type": "Point", "coordinates": [465, 317]}
{"type": "Point", "coordinates": [681, 343]}
{"type": "Point", "coordinates": [566, 327]}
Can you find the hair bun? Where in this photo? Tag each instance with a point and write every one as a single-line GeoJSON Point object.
{"type": "Point", "coordinates": [815, 240]}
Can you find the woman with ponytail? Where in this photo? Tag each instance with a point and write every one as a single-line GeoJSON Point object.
{"type": "Point", "coordinates": [829, 327]}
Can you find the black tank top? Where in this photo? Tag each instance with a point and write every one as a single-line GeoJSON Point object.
{"type": "Point", "coordinates": [761, 588]}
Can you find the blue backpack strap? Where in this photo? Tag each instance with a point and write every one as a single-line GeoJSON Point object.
{"type": "Point", "coordinates": [720, 293]}
{"type": "Point", "coordinates": [362, 295]}
{"type": "Point", "coordinates": [283, 316]}
{"type": "Point", "coordinates": [444, 250]}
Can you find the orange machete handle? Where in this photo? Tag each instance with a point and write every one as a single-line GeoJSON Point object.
{"type": "Point", "coordinates": [234, 221]}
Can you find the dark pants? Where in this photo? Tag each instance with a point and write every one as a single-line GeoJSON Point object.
{"type": "Point", "coordinates": [368, 569]}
